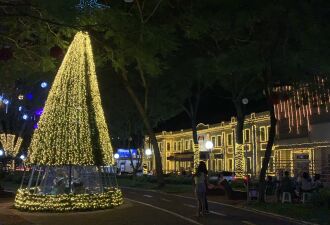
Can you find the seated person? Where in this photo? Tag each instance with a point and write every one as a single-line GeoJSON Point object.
{"type": "Point", "coordinates": [306, 183]}
{"type": "Point", "coordinates": [270, 186]}
{"type": "Point", "coordinates": [317, 183]}
{"type": "Point", "coordinates": [286, 184]}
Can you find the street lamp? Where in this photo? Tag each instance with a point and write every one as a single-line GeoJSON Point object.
{"type": "Point", "coordinates": [116, 156]}
{"type": "Point", "coordinates": [148, 152]}
{"type": "Point", "coordinates": [245, 101]}
{"type": "Point", "coordinates": [22, 157]}
{"type": "Point", "coordinates": [43, 85]}
{"type": "Point", "coordinates": [209, 145]}
{"type": "Point", "coordinates": [2, 152]}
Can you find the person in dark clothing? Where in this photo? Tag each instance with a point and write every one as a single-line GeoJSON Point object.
{"type": "Point", "coordinates": [204, 170]}
{"type": "Point", "coordinates": [270, 186]}
{"type": "Point", "coordinates": [287, 184]}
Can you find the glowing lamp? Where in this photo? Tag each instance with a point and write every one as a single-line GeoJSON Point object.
{"type": "Point", "coordinates": [208, 145]}
{"type": "Point", "coordinates": [39, 111]}
{"type": "Point", "coordinates": [43, 85]}
{"type": "Point", "coordinates": [29, 96]}
{"type": "Point", "coordinates": [245, 101]}
{"type": "Point", "coordinates": [20, 108]}
{"type": "Point", "coordinates": [22, 157]}
{"type": "Point", "coordinates": [1, 152]}
{"type": "Point", "coordinates": [5, 101]}
{"type": "Point", "coordinates": [25, 117]}
{"type": "Point", "coordinates": [20, 97]}
{"type": "Point", "coordinates": [148, 152]}
{"type": "Point", "coordinates": [116, 156]}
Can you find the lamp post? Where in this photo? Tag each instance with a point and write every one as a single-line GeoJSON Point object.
{"type": "Point", "coordinates": [245, 101]}
{"type": "Point", "coordinates": [116, 156]}
{"type": "Point", "coordinates": [148, 153]}
{"type": "Point", "coordinates": [209, 147]}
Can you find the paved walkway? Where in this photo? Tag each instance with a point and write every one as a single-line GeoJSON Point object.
{"type": "Point", "coordinates": [144, 207]}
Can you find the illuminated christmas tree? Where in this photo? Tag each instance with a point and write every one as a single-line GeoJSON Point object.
{"type": "Point", "coordinates": [70, 150]}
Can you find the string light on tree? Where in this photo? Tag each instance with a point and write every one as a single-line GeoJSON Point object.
{"type": "Point", "coordinates": [72, 137]}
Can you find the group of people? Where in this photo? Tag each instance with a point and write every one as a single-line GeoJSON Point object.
{"type": "Point", "coordinates": [295, 186]}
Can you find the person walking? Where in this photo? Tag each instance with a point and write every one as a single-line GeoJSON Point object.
{"type": "Point", "coordinates": [200, 189]}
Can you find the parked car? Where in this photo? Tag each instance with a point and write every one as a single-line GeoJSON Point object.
{"type": "Point", "coordinates": [229, 176]}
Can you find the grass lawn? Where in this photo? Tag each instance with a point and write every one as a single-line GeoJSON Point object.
{"type": "Point", "coordinates": [306, 212]}
{"type": "Point", "coordinates": [169, 188]}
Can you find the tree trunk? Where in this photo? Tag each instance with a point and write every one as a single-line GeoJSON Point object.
{"type": "Point", "coordinates": [151, 133]}
{"type": "Point", "coordinates": [240, 121]}
{"type": "Point", "coordinates": [268, 152]}
{"type": "Point", "coordinates": [194, 129]}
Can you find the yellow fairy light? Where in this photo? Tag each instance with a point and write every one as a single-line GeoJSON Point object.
{"type": "Point", "coordinates": [72, 129]}
{"type": "Point", "coordinates": [10, 144]}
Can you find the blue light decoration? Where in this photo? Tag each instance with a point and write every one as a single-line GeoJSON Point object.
{"type": "Point", "coordinates": [39, 111]}
{"type": "Point", "coordinates": [29, 96]}
{"type": "Point", "coordinates": [25, 117]}
{"type": "Point", "coordinates": [92, 4]}
{"type": "Point", "coordinates": [5, 101]}
{"type": "Point", "coordinates": [44, 85]}
{"type": "Point", "coordinates": [35, 126]}
{"type": "Point", "coordinates": [1, 97]}
{"type": "Point", "coordinates": [125, 153]}
{"type": "Point", "coordinates": [20, 108]}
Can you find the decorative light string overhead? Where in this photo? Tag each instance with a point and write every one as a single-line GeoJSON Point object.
{"type": "Point", "coordinates": [297, 104]}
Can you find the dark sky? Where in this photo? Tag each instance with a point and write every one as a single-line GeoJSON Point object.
{"type": "Point", "coordinates": [212, 110]}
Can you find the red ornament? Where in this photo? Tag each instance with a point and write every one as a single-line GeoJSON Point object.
{"type": "Point", "coordinates": [5, 53]}
{"type": "Point", "coordinates": [56, 52]}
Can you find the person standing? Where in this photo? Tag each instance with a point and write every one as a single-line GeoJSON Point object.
{"type": "Point", "coordinates": [200, 189]}
{"type": "Point", "coordinates": [204, 170]}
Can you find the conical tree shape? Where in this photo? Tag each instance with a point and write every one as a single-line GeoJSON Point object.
{"type": "Point", "coordinates": [72, 129]}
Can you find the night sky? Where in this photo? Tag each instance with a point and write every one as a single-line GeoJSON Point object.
{"type": "Point", "coordinates": [212, 110]}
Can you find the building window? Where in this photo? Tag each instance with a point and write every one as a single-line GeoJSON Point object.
{"type": "Point", "coordinates": [175, 146]}
{"type": "Point", "coordinates": [230, 139]}
{"type": "Point", "coordinates": [191, 144]}
{"type": "Point", "coordinates": [180, 145]}
{"type": "Point", "coordinates": [247, 136]}
{"type": "Point", "coordinates": [262, 134]}
{"type": "Point", "coordinates": [186, 144]}
{"type": "Point", "coordinates": [268, 132]}
{"type": "Point", "coordinates": [230, 164]}
{"type": "Point", "coordinates": [213, 140]}
{"type": "Point", "coordinates": [168, 147]}
{"type": "Point", "coordinates": [219, 141]}
{"type": "Point", "coordinates": [248, 164]}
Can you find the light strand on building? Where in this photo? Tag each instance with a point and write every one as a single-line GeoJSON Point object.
{"type": "Point", "coordinates": [299, 104]}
